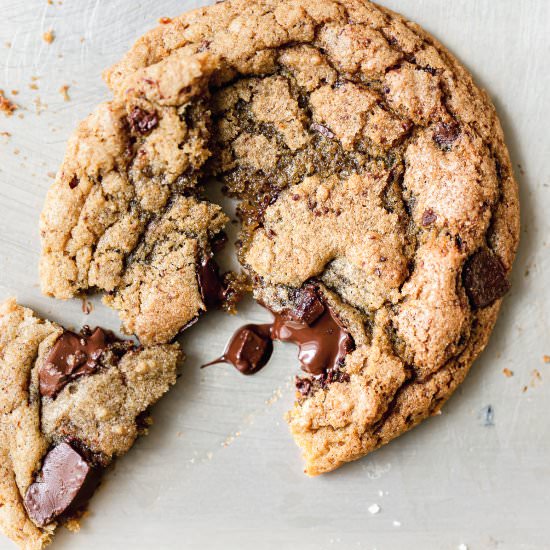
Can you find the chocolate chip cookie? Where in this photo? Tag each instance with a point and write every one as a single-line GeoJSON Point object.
{"type": "Point", "coordinates": [379, 212]}
{"type": "Point", "coordinates": [69, 404]}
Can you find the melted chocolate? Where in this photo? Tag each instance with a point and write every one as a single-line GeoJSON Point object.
{"type": "Point", "coordinates": [322, 340]}
{"type": "Point", "coordinates": [210, 283]}
{"type": "Point", "coordinates": [249, 349]}
{"type": "Point", "coordinates": [73, 355]}
{"type": "Point", "coordinates": [64, 484]}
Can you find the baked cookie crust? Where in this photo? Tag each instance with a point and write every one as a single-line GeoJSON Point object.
{"type": "Point", "coordinates": [365, 160]}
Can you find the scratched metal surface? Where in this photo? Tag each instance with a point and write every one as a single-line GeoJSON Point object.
{"type": "Point", "coordinates": [219, 469]}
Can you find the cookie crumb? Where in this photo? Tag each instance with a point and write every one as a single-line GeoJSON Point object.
{"type": "Point", "coordinates": [462, 546]}
{"type": "Point", "coordinates": [374, 508]}
{"type": "Point", "coordinates": [507, 372]}
{"type": "Point", "coordinates": [7, 106]}
{"type": "Point", "coordinates": [396, 523]}
{"type": "Point", "coordinates": [48, 36]}
{"type": "Point", "coordinates": [546, 358]}
{"type": "Point", "coordinates": [165, 20]}
{"type": "Point", "coordinates": [87, 307]}
{"type": "Point", "coordinates": [535, 377]}
{"type": "Point", "coordinates": [33, 86]}
{"type": "Point", "coordinates": [64, 91]}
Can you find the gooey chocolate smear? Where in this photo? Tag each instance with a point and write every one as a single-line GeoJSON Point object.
{"type": "Point", "coordinates": [249, 349]}
{"type": "Point", "coordinates": [64, 484]}
{"type": "Point", "coordinates": [73, 355]}
{"type": "Point", "coordinates": [322, 340]}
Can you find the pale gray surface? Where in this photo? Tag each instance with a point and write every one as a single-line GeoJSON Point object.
{"type": "Point", "coordinates": [219, 469]}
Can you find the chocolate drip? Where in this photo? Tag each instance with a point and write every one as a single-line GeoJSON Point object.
{"type": "Point", "coordinates": [64, 484]}
{"type": "Point", "coordinates": [73, 355]}
{"type": "Point", "coordinates": [322, 340]}
{"type": "Point", "coordinates": [249, 349]}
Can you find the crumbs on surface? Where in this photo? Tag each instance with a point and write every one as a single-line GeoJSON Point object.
{"type": "Point", "coordinates": [546, 358]}
{"type": "Point", "coordinates": [64, 91]}
{"type": "Point", "coordinates": [87, 307]}
{"type": "Point", "coordinates": [7, 106]}
{"type": "Point", "coordinates": [165, 20]}
{"type": "Point", "coordinates": [48, 36]}
{"type": "Point", "coordinates": [374, 508]}
{"type": "Point", "coordinates": [507, 372]}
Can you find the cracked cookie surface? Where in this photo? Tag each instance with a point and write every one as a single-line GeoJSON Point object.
{"type": "Point", "coordinates": [364, 160]}
{"type": "Point", "coordinates": [69, 405]}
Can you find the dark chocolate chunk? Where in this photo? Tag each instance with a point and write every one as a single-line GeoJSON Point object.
{"type": "Point", "coordinates": [74, 182]}
{"type": "Point", "coordinates": [446, 133]}
{"type": "Point", "coordinates": [142, 121]}
{"type": "Point", "coordinates": [249, 349]}
{"type": "Point", "coordinates": [218, 241]}
{"type": "Point", "coordinates": [210, 282]}
{"type": "Point", "coordinates": [73, 355]}
{"type": "Point", "coordinates": [64, 484]}
{"type": "Point", "coordinates": [428, 217]}
{"type": "Point", "coordinates": [308, 307]}
{"type": "Point", "coordinates": [484, 278]}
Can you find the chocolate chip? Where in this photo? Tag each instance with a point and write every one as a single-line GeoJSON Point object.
{"type": "Point", "coordinates": [74, 182]}
{"type": "Point", "coordinates": [334, 375]}
{"type": "Point", "coordinates": [428, 69]}
{"type": "Point", "coordinates": [308, 308]}
{"type": "Point", "coordinates": [484, 278]}
{"type": "Point", "coordinates": [445, 134]}
{"type": "Point", "coordinates": [323, 130]}
{"type": "Point", "coordinates": [303, 385]}
{"type": "Point", "coordinates": [218, 241]}
{"type": "Point", "coordinates": [142, 121]}
{"type": "Point", "coordinates": [210, 282]}
{"type": "Point", "coordinates": [64, 484]}
{"type": "Point", "coordinates": [73, 355]}
{"type": "Point", "coordinates": [428, 217]}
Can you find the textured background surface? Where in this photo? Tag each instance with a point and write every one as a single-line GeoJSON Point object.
{"type": "Point", "coordinates": [219, 469]}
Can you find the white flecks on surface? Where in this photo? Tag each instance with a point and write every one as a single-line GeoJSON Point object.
{"type": "Point", "coordinates": [374, 508]}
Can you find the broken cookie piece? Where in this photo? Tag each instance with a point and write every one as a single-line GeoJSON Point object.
{"type": "Point", "coordinates": [69, 404]}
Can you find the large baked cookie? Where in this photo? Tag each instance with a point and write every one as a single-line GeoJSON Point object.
{"type": "Point", "coordinates": [378, 204]}
{"type": "Point", "coordinates": [69, 404]}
